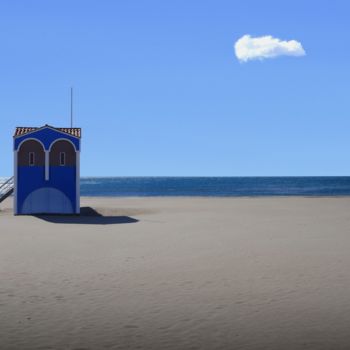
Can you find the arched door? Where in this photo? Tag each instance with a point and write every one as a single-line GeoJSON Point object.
{"type": "Point", "coordinates": [47, 200]}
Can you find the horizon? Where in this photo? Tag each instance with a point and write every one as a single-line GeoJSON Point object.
{"type": "Point", "coordinates": [85, 177]}
{"type": "Point", "coordinates": [200, 89]}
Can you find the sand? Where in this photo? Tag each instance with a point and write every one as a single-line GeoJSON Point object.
{"type": "Point", "coordinates": [178, 273]}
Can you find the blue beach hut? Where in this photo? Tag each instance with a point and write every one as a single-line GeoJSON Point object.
{"type": "Point", "coordinates": [47, 170]}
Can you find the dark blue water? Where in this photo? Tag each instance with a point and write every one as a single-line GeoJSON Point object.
{"type": "Point", "coordinates": [215, 186]}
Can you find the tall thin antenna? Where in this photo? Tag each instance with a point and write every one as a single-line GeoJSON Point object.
{"type": "Point", "coordinates": [71, 107]}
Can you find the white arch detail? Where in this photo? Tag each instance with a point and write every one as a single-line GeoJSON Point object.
{"type": "Point", "coordinates": [63, 139]}
{"type": "Point", "coordinates": [30, 139]}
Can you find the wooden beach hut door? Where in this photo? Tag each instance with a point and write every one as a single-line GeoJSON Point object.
{"type": "Point", "coordinates": [47, 200]}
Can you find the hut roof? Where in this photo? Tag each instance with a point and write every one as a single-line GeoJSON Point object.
{"type": "Point", "coordinates": [22, 130]}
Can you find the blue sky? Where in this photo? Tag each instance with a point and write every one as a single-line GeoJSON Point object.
{"type": "Point", "coordinates": [159, 90]}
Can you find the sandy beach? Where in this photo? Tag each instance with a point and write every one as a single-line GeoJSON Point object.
{"type": "Point", "coordinates": [178, 273]}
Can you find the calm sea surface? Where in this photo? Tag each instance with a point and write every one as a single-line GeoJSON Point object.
{"type": "Point", "coordinates": [215, 186]}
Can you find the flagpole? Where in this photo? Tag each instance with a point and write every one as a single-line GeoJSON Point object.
{"type": "Point", "coordinates": [71, 107]}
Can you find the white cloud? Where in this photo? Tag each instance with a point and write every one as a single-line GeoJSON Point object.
{"type": "Point", "coordinates": [258, 48]}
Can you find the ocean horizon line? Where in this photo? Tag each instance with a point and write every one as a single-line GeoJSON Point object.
{"type": "Point", "coordinates": [210, 176]}
{"type": "Point", "coordinates": [196, 176]}
{"type": "Point", "coordinates": [215, 186]}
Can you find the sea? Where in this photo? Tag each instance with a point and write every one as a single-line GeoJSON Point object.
{"type": "Point", "coordinates": [215, 186]}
